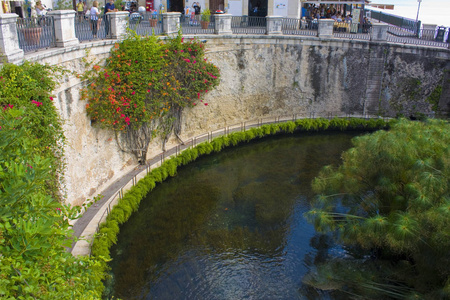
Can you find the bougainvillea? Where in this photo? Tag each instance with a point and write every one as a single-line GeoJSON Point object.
{"type": "Point", "coordinates": [144, 87]}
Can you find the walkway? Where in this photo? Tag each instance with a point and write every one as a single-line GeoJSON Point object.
{"type": "Point", "coordinates": [88, 224]}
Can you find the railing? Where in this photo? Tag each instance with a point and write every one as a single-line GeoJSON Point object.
{"type": "Point", "coordinates": [426, 37]}
{"type": "Point", "coordinates": [194, 25]}
{"type": "Point", "coordinates": [146, 23]}
{"type": "Point", "coordinates": [248, 25]}
{"type": "Point", "coordinates": [397, 21]}
{"type": "Point", "coordinates": [36, 33]}
{"type": "Point", "coordinates": [352, 31]}
{"type": "Point", "coordinates": [208, 137]}
{"type": "Point", "coordinates": [292, 26]}
{"type": "Point", "coordinates": [88, 30]}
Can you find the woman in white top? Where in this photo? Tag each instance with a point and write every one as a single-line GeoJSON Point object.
{"type": "Point", "coordinates": [40, 9]}
{"type": "Point", "coordinates": [94, 18]}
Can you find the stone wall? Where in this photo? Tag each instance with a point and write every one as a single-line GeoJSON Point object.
{"type": "Point", "coordinates": [262, 76]}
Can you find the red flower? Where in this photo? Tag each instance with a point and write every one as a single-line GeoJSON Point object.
{"type": "Point", "coordinates": [206, 104]}
{"type": "Point", "coordinates": [51, 98]}
{"type": "Point", "coordinates": [36, 102]}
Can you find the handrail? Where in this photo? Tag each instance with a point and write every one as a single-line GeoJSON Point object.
{"type": "Point", "coordinates": [210, 135]}
{"type": "Point", "coordinates": [399, 32]}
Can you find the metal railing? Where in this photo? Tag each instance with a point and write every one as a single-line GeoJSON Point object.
{"type": "Point", "coordinates": [195, 25]}
{"type": "Point", "coordinates": [208, 137]}
{"type": "Point", "coordinates": [426, 37]}
{"type": "Point", "coordinates": [146, 23]}
{"type": "Point", "coordinates": [352, 31]}
{"type": "Point", "coordinates": [248, 25]}
{"type": "Point", "coordinates": [292, 26]}
{"type": "Point", "coordinates": [88, 30]}
{"type": "Point", "coordinates": [399, 22]}
{"type": "Point", "coordinates": [36, 33]}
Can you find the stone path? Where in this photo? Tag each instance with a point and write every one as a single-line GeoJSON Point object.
{"type": "Point", "coordinates": [87, 225]}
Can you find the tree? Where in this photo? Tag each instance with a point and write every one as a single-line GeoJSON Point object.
{"type": "Point", "coordinates": [391, 196]}
{"type": "Point", "coordinates": [144, 87]}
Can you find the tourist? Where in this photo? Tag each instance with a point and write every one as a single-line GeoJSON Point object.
{"type": "Point", "coordinates": [109, 7]}
{"type": "Point", "coordinates": [80, 10]}
{"type": "Point", "coordinates": [197, 8]}
{"type": "Point", "coordinates": [348, 18]}
{"type": "Point", "coordinates": [94, 18]}
{"type": "Point", "coordinates": [366, 25]}
{"type": "Point", "coordinates": [40, 12]}
{"type": "Point", "coordinates": [40, 9]}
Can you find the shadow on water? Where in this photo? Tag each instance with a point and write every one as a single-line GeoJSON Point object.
{"type": "Point", "coordinates": [230, 226]}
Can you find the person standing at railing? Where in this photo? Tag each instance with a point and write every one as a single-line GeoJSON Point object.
{"type": "Point", "coordinates": [40, 9]}
{"type": "Point", "coordinates": [348, 19]}
{"type": "Point", "coordinates": [40, 12]}
{"type": "Point", "coordinates": [109, 7]}
{"type": "Point", "coordinates": [94, 18]}
{"type": "Point", "coordinates": [366, 25]}
{"type": "Point", "coordinates": [80, 10]}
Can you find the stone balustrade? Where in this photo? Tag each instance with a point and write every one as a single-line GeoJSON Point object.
{"type": "Point", "coordinates": [65, 37]}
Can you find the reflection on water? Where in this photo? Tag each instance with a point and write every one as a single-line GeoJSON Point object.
{"type": "Point", "coordinates": [229, 226]}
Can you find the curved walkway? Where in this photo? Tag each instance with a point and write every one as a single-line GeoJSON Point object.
{"type": "Point", "coordinates": [88, 224]}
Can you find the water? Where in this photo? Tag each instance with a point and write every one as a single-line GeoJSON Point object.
{"type": "Point", "coordinates": [230, 226]}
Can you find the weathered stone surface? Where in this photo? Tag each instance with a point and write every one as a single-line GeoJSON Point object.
{"type": "Point", "coordinates": [261, 77]}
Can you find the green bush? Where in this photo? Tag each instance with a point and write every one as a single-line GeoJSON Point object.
{"type": "Point", "coordinates": [34, 221]}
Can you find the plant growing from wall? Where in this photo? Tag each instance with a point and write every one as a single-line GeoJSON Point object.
{"type": "Point", "coordinates": [34, 223]}
{"type": "Point", "coordinates": [144, 87]}
{"type": "Point", "coordinates": [29, 87]}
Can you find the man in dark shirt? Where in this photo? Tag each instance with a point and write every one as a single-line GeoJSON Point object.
{"type": "Point", "coordinates": [109, 7]}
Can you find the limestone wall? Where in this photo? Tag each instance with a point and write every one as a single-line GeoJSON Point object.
{"type": "Point", "coordinates": [261, 77]}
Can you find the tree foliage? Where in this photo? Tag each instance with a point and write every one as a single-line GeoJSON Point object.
{"type": "Point", "coordinates": [391, 196]}
{"type": "Point", "coordinates": [144, 87]}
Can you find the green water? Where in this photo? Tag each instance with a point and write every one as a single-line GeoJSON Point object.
{"type": "Point", "coordinates": [230, 225]}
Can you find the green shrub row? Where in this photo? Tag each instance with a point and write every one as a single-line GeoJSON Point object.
{"type": "Point", "coordinates": [109, 230]}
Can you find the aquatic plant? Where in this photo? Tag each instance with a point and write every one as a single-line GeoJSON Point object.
{"type": "Point", "coordinates": [395, 184]}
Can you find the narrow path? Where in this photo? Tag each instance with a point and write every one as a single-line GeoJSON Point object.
{"type": "Point", "coordinates": [87, 225]}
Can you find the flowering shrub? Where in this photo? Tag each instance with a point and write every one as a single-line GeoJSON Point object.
{"type": "Point", "coordinates": [34, 226]}
{"type": "Point", "coordinates": [29, 87]}
{"type": "Point", "coordinates": [145, 85]}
